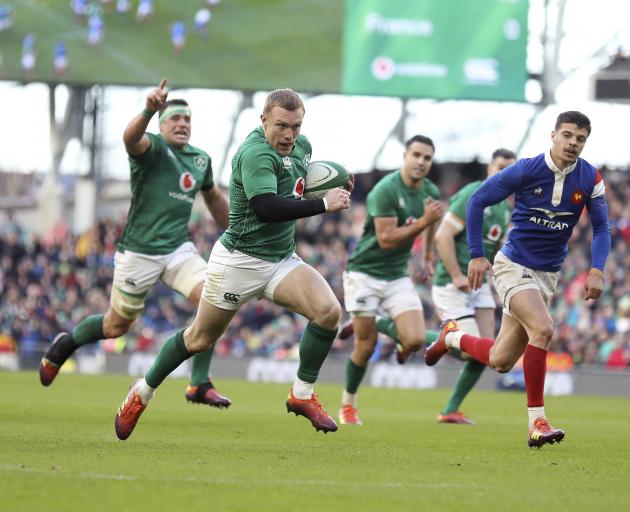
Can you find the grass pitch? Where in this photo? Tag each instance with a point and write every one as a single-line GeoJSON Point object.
{"type": "Point", "coordinates": [58, 451]}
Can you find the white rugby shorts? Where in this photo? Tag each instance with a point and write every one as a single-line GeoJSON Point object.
{"type": "Point", "coordinates": [233, 278]}
{"type": "Point", "coordinates": [364, 294]}
{"type": "Point", "coordinates": [510, 278]}
{"type": "Point", "coordinates": [135, 274]}
{"type": "Point", "coordinates": [452, 303]}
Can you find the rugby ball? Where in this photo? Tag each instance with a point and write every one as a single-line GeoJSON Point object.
{"type": "Point", "coordinates": [322, 176]}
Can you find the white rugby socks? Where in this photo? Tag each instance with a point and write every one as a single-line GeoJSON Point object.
{"type": "Point", "coordinates": [145, 392]}
{"type": "Point", "coordinates": [535, 413]}
{"type": "Point", "coordinates": [302, 390]}
{"type": "Point", "coordinates": [349, 398]}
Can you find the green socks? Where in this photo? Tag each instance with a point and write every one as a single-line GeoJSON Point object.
{"type": "Point", "coordinates": [430, 337]}
{"type": "Point", "coordinates": [354, 376]}
{"type": "Point", "coordinates": [171, 355]}
{"type": "Point", "coordinates": [89, 330]}
{"type": "Point", "coordinates": [201, 367]}
{"type": "Point", "coordinates": [466, 380]}
{"type": "Point", "coordinates": [314, 347]}
{"type": "Point", "coordinates": [386, 325]}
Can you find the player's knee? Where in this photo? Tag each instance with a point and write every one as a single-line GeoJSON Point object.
{"type": "Point", "coordinates": [411, 342]}
{"type": "Point", "coordinates": [328, 315]}
{"type": "Point", "coordinates": [112, 329]}
{"type": "Point", "coordinates": [545, 333]}
{"type": "Point", "coordinates": [502, 368]}
{"type": "Point", "coordinates": [501, 364]}
{"type": "Point", "coordinates": [362, 353]}
{"type": "Point", "coordinates": [196, 341]}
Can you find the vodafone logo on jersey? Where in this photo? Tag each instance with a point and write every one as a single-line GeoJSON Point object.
{"type": "Point", "coordinates": [298, 188]}
{"type": "Point", "coordinates": [494, 233]}
{"type": "Point", "coordinates": [187, 182]}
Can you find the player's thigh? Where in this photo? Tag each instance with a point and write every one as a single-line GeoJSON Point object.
{"type": "Point", "coordinates": [195, 296]}
{"type": "Point", "coordinates": [451, 303]}
{"type": "Point", "coordinates": [134, 276]}
{"type": "Point", "coordinates": [400, 296]}
{"type": "Point", "coordinates": [411, 328]}
{"type": "Point", "coordinates": [361, 294]}
{"type": "Point", "coordinates": [185, 271]}
{"type": "Point", "coordinates": [209, 324]}
{"type": "Point", "coordinates": [511, 278]}
{"type": "Point", "coordinates": [510, 344]}
{"type": "Point", "coordinates": [485, 319]}
{"type": "Point", "coordinates": [233, 278]}
{"type": "Point", "coordinates": [529, 308]}
{"type": "Point", "coordinates": [303, 290]}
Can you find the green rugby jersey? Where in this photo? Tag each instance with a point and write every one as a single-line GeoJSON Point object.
{"type": "Point", "coordinates": [164, 181]}
{"type": "Point", "coordinates": [496, 219]}
{"type": "Point", "coordinates": [257, 168]}
{"type": "Point", "coordinates": [390, 197]}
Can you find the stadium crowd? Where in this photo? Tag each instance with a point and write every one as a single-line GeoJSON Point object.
{"type": "Point", "coordinates": [48, 283]}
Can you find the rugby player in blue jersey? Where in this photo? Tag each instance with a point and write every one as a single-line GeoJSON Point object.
{"type": "Point", "coordinates": [551, 191]}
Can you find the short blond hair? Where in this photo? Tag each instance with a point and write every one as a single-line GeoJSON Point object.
{"type": "Point", "coordinates": [287, 99]}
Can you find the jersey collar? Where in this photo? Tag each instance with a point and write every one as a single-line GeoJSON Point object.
{"type": "Point", "coordinates": [555, 169]}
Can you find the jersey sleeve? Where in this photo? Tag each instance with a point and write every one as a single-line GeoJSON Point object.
{"type": "Point", "coordinates": [381, 202]}
{"type": "Point", "coordinates": [148, 157]}
{"type": "Point", "coordinates": [460, 200]}
{"type": "Point", "coordinates": [208, 180]}
{"type": "Point", "coordinates": [599, 189]}
{"type": "Point", "coordinates": [598, 212]}
{"type": "Point", "coordinates": [258, 174]}
{"type": "Point", "coordinates": [492, 191]}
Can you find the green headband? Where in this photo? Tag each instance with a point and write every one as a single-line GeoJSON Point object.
{"type": "Point", "coordinates": [173, 110]}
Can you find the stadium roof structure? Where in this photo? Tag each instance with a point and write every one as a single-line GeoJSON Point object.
{"type": "Point", "coordinates": [363, 133]}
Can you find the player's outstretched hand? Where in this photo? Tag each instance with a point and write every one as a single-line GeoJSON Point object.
{"type": "Point", "coordinates": [593, 287]}
{"type": "Point", "coordinates": [337, 199]}
{"type": "Point", "coordinates": [157, 97]}
{"type": "Point", "coordinates": [476, 271]}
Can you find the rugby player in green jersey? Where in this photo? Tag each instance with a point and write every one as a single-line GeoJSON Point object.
{"type": "Point", "coordinates": [166, 174]}
{"type": "Point", "coordinates": [255, 258]}
{"type": "Point", "coordinates": [400, 207]}
{"type": "Point", "coordinates": [451, 293]}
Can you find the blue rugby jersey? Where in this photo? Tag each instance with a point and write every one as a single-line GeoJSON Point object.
{"type": "Point", "coordinates": [548, 205]}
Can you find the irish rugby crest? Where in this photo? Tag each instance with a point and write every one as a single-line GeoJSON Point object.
{"type": "Point", "coordinates": [201, 162]}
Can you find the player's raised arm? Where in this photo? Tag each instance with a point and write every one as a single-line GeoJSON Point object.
{"type": "Point", "coordinates": [136, 142]}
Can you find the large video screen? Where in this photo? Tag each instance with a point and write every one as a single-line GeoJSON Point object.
{"type": "Point", "coordinates": [450, 49]}
{"type": "Point", "coordinates": [472, 49]}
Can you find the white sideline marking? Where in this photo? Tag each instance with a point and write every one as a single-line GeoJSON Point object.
{"type": "Point", "coordinates": [58, 472]}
